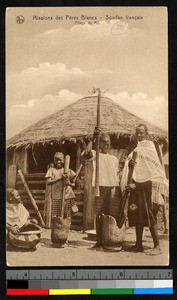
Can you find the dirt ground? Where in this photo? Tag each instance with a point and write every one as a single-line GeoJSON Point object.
{"type": "Point", "coordinates": [80, 253]}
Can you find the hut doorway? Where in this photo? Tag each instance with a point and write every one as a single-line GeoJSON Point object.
{"type": "Point", "coordinates": [41, 156]}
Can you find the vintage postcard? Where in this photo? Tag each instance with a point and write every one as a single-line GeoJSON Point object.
{"type": "Point", "coordinates": [87, 136]}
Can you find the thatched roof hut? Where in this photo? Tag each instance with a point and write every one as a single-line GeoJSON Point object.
{"type": "Point", "coordinates": [62, 130]}
{"type": "Point", "coordinates": [78, 119]}
{"type": "Point", "coordinates": [32, 150]}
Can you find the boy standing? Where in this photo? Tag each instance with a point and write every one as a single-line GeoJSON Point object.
{"type": "Point", "coordinates": [108, 181]}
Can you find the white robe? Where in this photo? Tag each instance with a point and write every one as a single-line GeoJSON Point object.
{"type": "Point", "coordinates": [147, 167]}
{"type": "Point", "coordinates": [16, 214]}
{"type": "Point", "coordinates": [108, 170]}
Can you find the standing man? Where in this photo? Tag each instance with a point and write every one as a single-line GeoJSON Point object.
{"type": "Point", "coordinates": [108, 181]}
{"type": "Point", "coordinates": [148, 188]}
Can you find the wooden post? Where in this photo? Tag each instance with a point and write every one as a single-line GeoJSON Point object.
{"type": "Point", "coordinates": [88, 220]}
{"type": "Point", "coordinates": [126, 194]}
{"type": "Point", "coordinates": [12, 176]}
{"type": "Point", "coordinates": [48, 206]}
{"type": "Point", "coordinates": [97, 146]}
{"type": "Point", "coordinates": [14, 157]}
{"type": "Point", "coordinates": [25, 166]}
{"type": "Point", "coordinates": [66, 169]}
{"type": "Point", "coordinates": [20, 159]}
{"type": "Point", "coordinates": [78, 155]}
{"type": "Point", "coordinates": [31, 197]}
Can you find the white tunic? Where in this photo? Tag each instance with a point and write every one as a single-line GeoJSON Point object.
{"type": "Point", "coordinates": [108, 170]}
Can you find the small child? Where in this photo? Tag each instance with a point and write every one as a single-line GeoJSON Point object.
{"type": "Point", "coordinates": [55, 177]}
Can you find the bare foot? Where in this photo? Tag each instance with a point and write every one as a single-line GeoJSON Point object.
{"type": "Point", "coordinates": [154, 251]}
{"type": "Point", "coordinates": [65, 245]}
{"type": "Point", "coordinates": [137, 248]}
{"type": "Point", "coordinates": [97, 245]}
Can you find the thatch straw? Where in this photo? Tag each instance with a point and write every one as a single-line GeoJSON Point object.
{"type": "Point", "coordinates": [79, 119]}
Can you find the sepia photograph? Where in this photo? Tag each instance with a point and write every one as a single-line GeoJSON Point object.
{"type": "Point", "coordinates": [87, 168]}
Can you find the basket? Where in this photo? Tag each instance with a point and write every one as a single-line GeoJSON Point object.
{"type": "Point", "coordinates": [112, 235]}
{"type": "Point", "coordinates": [27, 239]}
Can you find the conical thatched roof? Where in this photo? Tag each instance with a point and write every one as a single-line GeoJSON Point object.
{"type": "Point", "coordinates": [79, 119]}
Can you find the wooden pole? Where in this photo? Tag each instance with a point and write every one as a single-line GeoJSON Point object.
{"type": "Point", "coordinates": [88, 220]}
{"type": "Point", "coordinates": [31, 197]}
{"type": "Point", "coordinates": [78, 172]}
{"type": "Point", "coordinates": [126, 194]}
{"type": "Point", "coordinates": [12, 176]}
{"type": "Point", "coordinates": [97, 146]}
{"type": "Point", "coordinates": [48, 206]}
{"type": "Point", "coordinates": [14, 157]}
{"type": "Point", "coordinates": [131, 169]}
{"type": "Point", "coordinates": [78, 155]}
{"type": "Point", "coordinates": [66, 169]}
{"type": "Point", "coordinates": [25, 166]}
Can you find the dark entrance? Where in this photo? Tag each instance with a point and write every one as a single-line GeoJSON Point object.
{"type": "Point", "coordinates": [41, 156]}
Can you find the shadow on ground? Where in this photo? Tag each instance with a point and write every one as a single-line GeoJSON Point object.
{"type": "Point", "coordinates": [162, 236]}
{"type": "Point", "coordinates": [47, 243]}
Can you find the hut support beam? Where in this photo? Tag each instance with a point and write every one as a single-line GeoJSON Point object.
{"type": "Point", "coordinates": [88, 220]}
{"type": "Point", "coordinates": [78, 155]}
{"type": "Point", "coordinates": [25, 168]}
{"type": "Point", "coordinates": [20, 158]}
{"type": "Point", "coordinates": [14, 156]}
{"type": "Point", "coordinates": [12, 176]}
{"type": "Point", "coordinates": [48, 206]}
